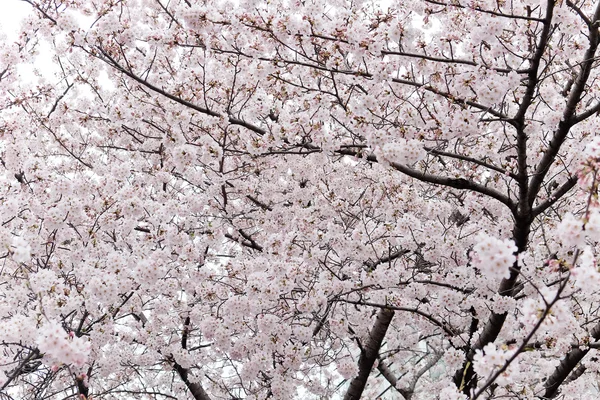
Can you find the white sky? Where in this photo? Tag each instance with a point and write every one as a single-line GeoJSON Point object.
{"type": "Point", "coordinates": [11, 14]}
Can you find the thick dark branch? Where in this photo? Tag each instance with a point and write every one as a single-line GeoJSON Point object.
{"type": "Point", "coordinates": [563, 370]}
{"type": "Point", "coordinates": [371, 265]}
{"type": "Point", "coordinates": [389, 376]}
{"type": "Point", "coordinates": [535, 61]}
{"type": "Point", "coordinates": [524, 345]}
{"type": "Point", "coordinates": [470, 159]}
{"type": "Point", "coordinates": [185, 333]}
{"type": "Point", "coordinates": [454, 99]}
{"type": "Point", "coordinates": [557, 195]}
{"type": "Point", "coordinates": [449, 330]}
{"type": "Point", "coordinates": [593, 110]}
{"type": "Point", "coordinates": [576, 374]}
{"type": "Point", "coordinates": [567, 366]}
{"type": "Point", "coordinates": [456, 183]}
{"type": "Point", "coordinates": [525, 202]}
{"type": "Point", "coordinates": [232, 120]}
{"type": "Point", "coordinates": [579, 12]}
{"type": "Point", "coordinates": [195, 388]}
{"type": "Point", "coordinates": [429, 58]}
{"type": "Point", "coordinates": [249, 242]}
{"type": "Point", "coordinates": [465, 378]}
{"type": "Point", "coordinates": [482, 10]}
{"type": "Point", "coordinates": [569, 114]}
{"type": "Point", "coordinates": [369, 354]}
{"type": "Point", "coordinates": [259, 203]}
{"type": "Point", "coordinates": [441, 284]}
{"type": "Point", "coordinates": [82, 388]}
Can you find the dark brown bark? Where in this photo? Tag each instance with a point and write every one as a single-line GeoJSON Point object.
{"type": "Point", "coordinates": [567, 366]}
{"type": "Point", "coordinates": [82, 388]}
{"type": "Point", "coordinates": [465, 378]}
{"type": "Point", "coordinates": [569, 117]}
{"type": "Point", "coordinates": [369, 354]}
{"type": "Point", "coordinates": [561, 372]}
{"type": "Point", "coordinates": [195, 388]}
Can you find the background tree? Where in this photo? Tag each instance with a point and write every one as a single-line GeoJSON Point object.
{"type": "Point", "coordinates": [296, 199]}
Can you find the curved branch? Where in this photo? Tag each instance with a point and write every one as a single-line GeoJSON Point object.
{"type": "Point", "coordinates": [232, 120]}
{"type": "Point", "coordinates": [569, 118]}
{"type": "Point", "coordinates": [454, 99]}
{"type": "Point", "coordinates": [456, 183]}
{"type": "Point", "coordinates": [482, 10]}
{"type": "Point", "coordinates": [567, 366]}
{"type": "Point", "coordinates": [557, 195]}
{"type": "Point", "coordinates": [470, 159]}
{"type": "Point", "coordinates": [450, 331]}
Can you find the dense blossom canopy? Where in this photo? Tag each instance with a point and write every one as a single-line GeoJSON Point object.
{"type": "Point", "coordinates": [300, 199]}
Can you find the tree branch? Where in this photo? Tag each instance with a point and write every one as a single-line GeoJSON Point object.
{"type": "Point", "coordinates": [232, 120]}
{"type": "Point", "coordinates": [470, 159]}
{"type": "Point", "coordinates": [567, 365]}
{"type": "Point", "coordinates": [482, 10]}
{"type": "Point", "coordinates": [557, 195]}
{"type": "Point", "coordinates": [369, 354]}
{"type": "Point", "coordinates": [456, 183]}
{"type": "Point", "coordinates": [454, 99]}
{"type": "Point", "coordinates": [568, 119]}
{"type": "Point", "coordinates": [195, 388]}
{"type": "Point", "coordinates": [450, 331]}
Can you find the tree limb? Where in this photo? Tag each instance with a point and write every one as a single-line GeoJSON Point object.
{"type": "Point", "coordinates": [369, 354]}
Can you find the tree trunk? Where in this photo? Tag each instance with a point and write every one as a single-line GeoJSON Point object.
{"type": "Point", "coordinates": [566, 366]}
{"type": "Point", "coordinates": [369, 354]}
{"type": "Point", "coordinates": [195, 388]}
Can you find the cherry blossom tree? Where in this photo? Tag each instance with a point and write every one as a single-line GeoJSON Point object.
{"type": "Point", "coordinates": [300, 199]}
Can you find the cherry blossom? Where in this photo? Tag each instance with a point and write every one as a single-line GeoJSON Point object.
{"type": "Point", "coordinates": [58, 346]}
{"type": "Point", "coordinates": [494, 257]}
{"type": "Point", "coordinates": [300, 199]}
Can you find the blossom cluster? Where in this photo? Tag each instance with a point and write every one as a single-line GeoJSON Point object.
{"type": "Point", "coordinates": [570, 231]}
{"type": "Point", "coordinates": [558, 320]}
{"type": "Point", "coordinates": [494, 257]}
{"type": "Point", "coordinates": [347, 368]}
{"type": "Point", "coordinates": [586, 275]}
{"type": "Point", "coordinates": [22, 250]}
{"type": "Point", "coordinates": [404, 152]}
{"type": "Point", "coordinates": [486, 362]}
{"type": "Point", "coordinates": [60, 347]}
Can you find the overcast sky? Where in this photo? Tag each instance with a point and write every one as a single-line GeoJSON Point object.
{"type": "Point", "coordinates": [11, 13]}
